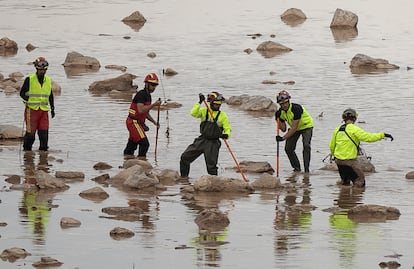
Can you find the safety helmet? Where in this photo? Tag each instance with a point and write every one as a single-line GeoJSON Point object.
{"type": "Point", "coordinates": [41, 63]}
{"type": "Point", "coordinates": [215, 98]}
{"type": "Point", "coordinates": [151, 78]}
{"type": "Point", "coordinates": [211, 96]}
{"type": "Point", "coordinates": [349, 113]}
{"type": "Point", "coordinates": [283, 96]}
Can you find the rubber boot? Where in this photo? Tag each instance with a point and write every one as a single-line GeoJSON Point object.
{"type": "Point", "coordinates": [43, 139]}
{"type": "Point", "coordinates": [28, 141]}
{"type": "Point", "coordinates": [184, 168]}
{"type": "Point", "coordinates": [130, 147]}
{"type": "Point", "coordinates": [143, 148]}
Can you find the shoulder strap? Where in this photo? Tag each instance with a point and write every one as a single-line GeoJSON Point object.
{"type": "Point", "coordinates": [342, 128]}
{"type": "Point", "coordinates": [216, 118]}
{"type": "Point", "coordinates": [218, 114]}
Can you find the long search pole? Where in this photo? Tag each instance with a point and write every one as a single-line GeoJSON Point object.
{"type": "Point", "coordinates": [227, 145]}
{"type": "Point", "coordinates": [158, 127]}
{"type": "Point", "coordinates": [277, 149]}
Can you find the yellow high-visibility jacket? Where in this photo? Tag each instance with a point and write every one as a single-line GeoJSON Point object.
{"type": "Point", "coordinates": [342, 147]}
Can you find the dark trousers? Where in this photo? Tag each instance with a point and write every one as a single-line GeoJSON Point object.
{"type": "Point", "coordinates": [350, 171]}
{"type": "Point", "coordinates": [290, 148]}
{"type": "Point", "coordinates": [210, 149]}
{"type": "Point", "coordinates": [132, 146]}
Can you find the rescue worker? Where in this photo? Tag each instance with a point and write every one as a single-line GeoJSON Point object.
{"type": "Point", "coordinates": [344, 147]}
{"type": "Point", "coordinates": [138, 112]}
{"type": "Point", "coordinates": [300, 123]}
{"type": "Point", "coordinates": [37, 95]}
{"type": "Point", "coordinates": [211, 129]}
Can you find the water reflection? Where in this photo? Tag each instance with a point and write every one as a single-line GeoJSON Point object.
{"type": "Point", "coordinates": [150, 208]}
{"type": "Point", "coordinates": [207, 245]}
{"type": "Point", "coordinates": [349, 197]}
{"type": "Point", "coordinates": [344, 229]}
{"type": "Point", "coordinates": [342, 35]}
{"type": "Point", "coordinates": [293, 22]}
{"type": "Point", "coordinates": [29, 166]}
{"type": "Point", "coordinates": [36, 204]}
{"type": "Point", "coordinates": [344, 237]}
{"type": "Point", "coordinates": [35, 212]}
{"type": "Point", "coordinates": [73, 72]}
{"type": "Point", "coordinates": [293, 218]}
{"type": "Point", "coordinates": [136, 26]}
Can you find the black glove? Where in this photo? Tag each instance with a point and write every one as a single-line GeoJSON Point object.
{"type": "Point", "coordinates": [52, 112]}
{"type": "Point", "coordinates": [224, 136]}
{"type": "Point", "coordinates": [202, 97]}
{"type": "Point", "coordinates": [389, 136]}
{"type": "Point", "coordinates": [279, 138]}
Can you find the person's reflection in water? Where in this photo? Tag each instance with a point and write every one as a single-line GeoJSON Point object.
{"type": "Point", "coordinates": [344, 237]}
{"type": "Point", "coordinates": [29, 166]}
{"type": "Point", "coordinates": [208, 246]}
{"type": "Point", "coordinates": [344, 234]}
{"type": "Point", "coordinates": [293, 217]}
{"type": "Point", "coordinates": [349, 197]}
{"type": "Point", "coordinates": [35, 211]}
{"type": "Point", "coordinates": [35, 206]}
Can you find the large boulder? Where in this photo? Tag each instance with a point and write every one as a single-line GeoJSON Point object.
{"type": "Point", "coordinates": [373, 213]}
{"type": "Point", "coordinates": [293, 16]}
{"type": "Point", "coordinates": [257, 104]}
{"type": "Point", "coordinates": [361, 63]}
{"type": "Point", "coordinates": [256, 167]}
{"type": "Point", "coordinates": [77, 64]}
{"type": "Point", "coordinates": [136, 20]}
{"type": "Point", "coordinates": [8, 47]}
{"type": "Point", "coordinates": [10, 132]}
{"type": "Point", "coordinates": [344, 19]}
{"type": "Point", "coordinates": [122, 83]}
{"type": "Point", "coordinates": [221, 184]}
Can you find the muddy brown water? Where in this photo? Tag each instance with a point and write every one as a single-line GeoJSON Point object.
{"type": "Point", "coordinates": [204, 42]}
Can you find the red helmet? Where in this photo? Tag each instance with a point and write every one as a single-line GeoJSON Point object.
{"type": "Point", "coordinates": [282, 97]}
{"type": "Point", "coordinates": [151, 78]}
{"type": "Point", "coordinates": [41, 63]}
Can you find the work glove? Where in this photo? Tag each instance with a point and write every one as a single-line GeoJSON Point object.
{"type": "Point", "coordinates": [389, 136]}
{"type": "Point", "coordinates": [224, 136]}
{"type": "Point", "coordinates": [279, 138]}
{"type": "Point", "coordinates": [52, 112]}
{"type": "Point", "coordinates": [202, 97]}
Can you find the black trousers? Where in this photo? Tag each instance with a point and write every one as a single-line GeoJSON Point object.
{"type": "Point", "coordinates": [351, 171]}
{"type": "Point", "coordinates": [290, 148]}
{"type": "Point", "coordinates": [210, 149]}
